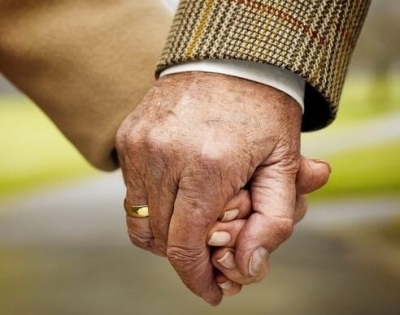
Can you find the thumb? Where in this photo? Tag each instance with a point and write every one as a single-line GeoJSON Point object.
{"type": "Point", "coordinates": [312, 175]}
{"type": "Point", "coordinates": [273, 195]}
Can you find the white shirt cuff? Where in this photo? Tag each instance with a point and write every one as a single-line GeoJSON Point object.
{"type": "Point", "coordinates": [281, 79]}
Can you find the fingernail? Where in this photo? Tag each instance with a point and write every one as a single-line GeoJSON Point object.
{"type": "Point", "coordinates": [230, 215]}
{"type": "Point", "coordinates": [219, 238]}
{"type": "Point", "coordinates": [320, 161]}
{"type": "Point", "coordinates": [227, 261]}
{"type": "Point", "coordinates": [226, 285]}
{"type": "Point", "coordinates": [257, 260]}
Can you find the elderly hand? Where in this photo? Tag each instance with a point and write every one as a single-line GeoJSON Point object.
{"type": "Point", "coordinates": [189, 147]}
{"type": "Point", "coordinates": [312, 175]}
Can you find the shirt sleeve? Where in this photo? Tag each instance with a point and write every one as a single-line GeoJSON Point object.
{"type": "Point", "coordinates": [314, 39]}
{"type": "Point", "coordinates": [279, 78]}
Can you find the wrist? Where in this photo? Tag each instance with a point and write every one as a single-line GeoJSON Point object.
{"type": "Point", "coordinates": [252, 99]}
{"type": "Point", "coordinates": [279, 78]}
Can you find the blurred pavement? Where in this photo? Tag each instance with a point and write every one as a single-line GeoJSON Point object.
{"type": "Point", "coordinates": [66, 252]}
{"type": "Point", "coordinates": [362, 134]}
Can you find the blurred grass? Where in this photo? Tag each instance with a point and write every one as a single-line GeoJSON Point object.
{"type": "Point", "coordinates": [370, 171]}
{"type": "Point", "coordinates": [364, 99]}
{"type": "Point", "coordinates": [33, 152]}
{"type": "Point", "coordinates": [364, 172]}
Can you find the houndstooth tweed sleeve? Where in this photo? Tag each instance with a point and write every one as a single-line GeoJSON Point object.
{"type": "Point", "coordinates": [313, 38]}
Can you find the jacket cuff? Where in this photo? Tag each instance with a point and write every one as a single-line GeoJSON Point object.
{"type": "Point", "coordinates": [314, 39]}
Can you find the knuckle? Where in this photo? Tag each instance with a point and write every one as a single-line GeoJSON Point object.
{"type": "Point", "coordinates": [141, 239]}
{"type": "Point", "coordinates": [158, 140]}
{"type": "Point", "coordinates": [283, 228]}
{"type": "Point", "coordinates": [287, 160]}
{"type": "Point", "coordinates": [125, 131]}
{"type": "Point", "coordinates": [127, 141]}
{"type": "Point", "coordinates": [160, 147]}
{"type": "Point", "coordinates": [186, 260]}
{"type": "Point", "coordinates": [183, 256]}
{"type": "Point", "coordinates": [214, 158]}
{"type": "Point", "coordinates": [120, 140]}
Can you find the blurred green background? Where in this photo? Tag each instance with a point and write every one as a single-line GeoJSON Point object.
{"type": "Point", "coordinates": [63, 248]}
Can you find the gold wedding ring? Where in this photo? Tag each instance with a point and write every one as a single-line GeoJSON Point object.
{"type": "Point", "coordinates": [141, 211]}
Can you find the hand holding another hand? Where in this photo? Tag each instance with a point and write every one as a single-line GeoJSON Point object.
{"type": "Point", "coordinates": [312, 175]}
{"type": "Point", "coordinates": [191, 146]}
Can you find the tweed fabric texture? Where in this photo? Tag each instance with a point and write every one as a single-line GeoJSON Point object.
{"type": "Point", "coordinates": [313, 38]}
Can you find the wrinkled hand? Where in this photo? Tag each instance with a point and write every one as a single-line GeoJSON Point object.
{"type": "Point", "coordinates": [312, 175]}
{"type": "Point", "coordinates": [190, 146]}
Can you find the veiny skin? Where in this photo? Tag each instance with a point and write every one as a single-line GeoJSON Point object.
{"type": "Point", "coordinates": [188, 148]}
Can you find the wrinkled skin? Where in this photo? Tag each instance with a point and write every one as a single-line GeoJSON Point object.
{"type": "Point", "coordinates": [192, 144]}
{"type": "Point", "coordinates": [312, 175]}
